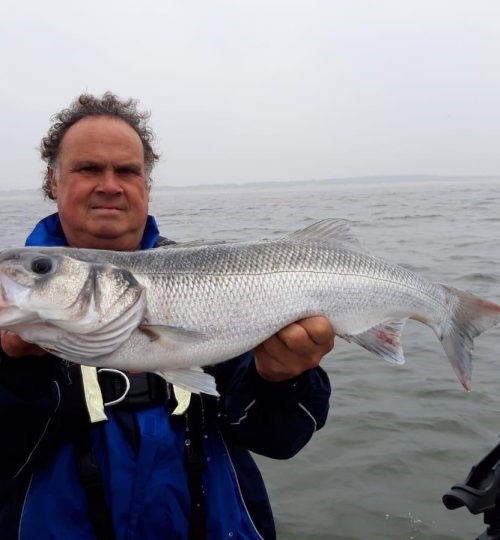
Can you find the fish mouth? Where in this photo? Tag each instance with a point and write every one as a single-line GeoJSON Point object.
{"type": "Point", "coordinates": [10, 313]}
{"type": "Point", "coordinates": [3, 300]}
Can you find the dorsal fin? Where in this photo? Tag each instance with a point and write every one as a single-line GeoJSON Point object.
{"type": "Point", "coordinates": [327, 230]}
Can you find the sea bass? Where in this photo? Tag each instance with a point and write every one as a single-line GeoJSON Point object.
{"type": "Point", "coordinates": [173, 309]}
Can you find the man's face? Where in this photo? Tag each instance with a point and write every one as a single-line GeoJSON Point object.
{"type": "Point", "coordinates": [101, 189]}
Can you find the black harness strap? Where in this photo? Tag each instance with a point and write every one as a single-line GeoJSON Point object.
{"type": "Point", "coordinates": [90, 478]}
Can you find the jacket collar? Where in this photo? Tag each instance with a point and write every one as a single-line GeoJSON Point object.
{"type": "Point", "coordinates": [48, 232]}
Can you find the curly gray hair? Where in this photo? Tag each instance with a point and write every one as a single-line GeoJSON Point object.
{"type": "Point", "coordinates": [88, 105]}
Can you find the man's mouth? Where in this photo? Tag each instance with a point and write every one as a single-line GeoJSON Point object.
{"type": "Point", "coordinates": [104, 208]}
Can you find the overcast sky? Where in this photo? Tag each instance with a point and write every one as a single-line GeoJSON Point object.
{"type": "Point", "coordinates": [264, 90]}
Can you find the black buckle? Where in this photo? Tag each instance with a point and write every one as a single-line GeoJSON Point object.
{"type": "Point", "coordinates": [132, 390]}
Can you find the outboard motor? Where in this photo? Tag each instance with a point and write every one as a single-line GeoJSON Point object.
{"type": "Point", "coordinates": [480, 493]}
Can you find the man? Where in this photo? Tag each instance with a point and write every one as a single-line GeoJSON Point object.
{"type": "Point", "coordinates": [144, 472]}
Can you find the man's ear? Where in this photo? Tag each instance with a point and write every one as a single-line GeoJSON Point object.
{"type": "Point", "coordinates": [53, 182]}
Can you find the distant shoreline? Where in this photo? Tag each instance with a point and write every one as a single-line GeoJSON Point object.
{"type": "Point", "coordinates": [398, 179]}
{"type": "Point", "coordinates": [410, 178]}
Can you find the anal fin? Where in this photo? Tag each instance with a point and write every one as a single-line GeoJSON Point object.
{"type": "Point", "coordinates": [384, 340]}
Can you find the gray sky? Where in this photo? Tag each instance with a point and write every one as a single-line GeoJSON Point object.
{"type": "Point", "coordinates": [259, 90]}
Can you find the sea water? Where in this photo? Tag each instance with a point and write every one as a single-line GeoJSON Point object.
{"type": "Point", "coordinates": [397, 437]}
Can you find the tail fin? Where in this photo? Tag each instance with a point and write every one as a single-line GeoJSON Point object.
{"type": "Point", "coordinates": [470, 316]}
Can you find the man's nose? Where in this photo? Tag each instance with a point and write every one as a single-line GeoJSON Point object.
{"type": "Point", "coordinates": [109, 182]}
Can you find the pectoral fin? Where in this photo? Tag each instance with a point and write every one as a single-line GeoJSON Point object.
{"type": "Point", "coordinates": [171, 335]}
{"type": "Point", "coordinates": [383, 340]}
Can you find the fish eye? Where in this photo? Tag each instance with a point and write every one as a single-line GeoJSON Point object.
{"type": "Point", "coordinates": [41, 265]}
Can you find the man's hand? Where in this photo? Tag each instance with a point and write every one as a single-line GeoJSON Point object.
{"type": "Point", "coordinates": [294, 349]}
{"type": "Point", "coordinates": [15, 347]}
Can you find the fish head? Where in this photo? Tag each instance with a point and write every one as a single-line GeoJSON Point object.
{"type": "Point", "coordinates": [47, 286]}
{"type": "Point", "coordinates": [30, 285]}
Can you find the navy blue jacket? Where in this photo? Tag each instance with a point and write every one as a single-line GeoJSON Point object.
{"type": "Point", "coordinates": [145, 479]}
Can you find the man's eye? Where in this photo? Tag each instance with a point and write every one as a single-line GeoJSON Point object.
{"type": "Point", "coordinates": [89, 168]}
{"type": "Point", "coordinates": [126, 172]}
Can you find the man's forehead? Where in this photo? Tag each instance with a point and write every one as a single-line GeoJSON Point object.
{"type": "Point", "coordinates": [95, 130]}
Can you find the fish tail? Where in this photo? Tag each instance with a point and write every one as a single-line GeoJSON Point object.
{"type": "Point", "coordinates": [469, 317]}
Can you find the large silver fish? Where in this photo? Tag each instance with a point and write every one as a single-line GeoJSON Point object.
{"type": "Point", "coordinates": [171, 309]}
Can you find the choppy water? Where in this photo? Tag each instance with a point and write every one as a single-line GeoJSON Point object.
{"type": "Point", "coordinates": [397, 437]}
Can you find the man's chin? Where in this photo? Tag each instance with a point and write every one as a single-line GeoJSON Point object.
{"type": "Point", "coordinates": [114, 239]}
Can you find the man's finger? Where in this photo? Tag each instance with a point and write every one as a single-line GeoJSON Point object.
{"type": "Point", "coordinates": [294, 337]}
{"type": "Point", "coordinates": [275, 347]}
{"type": "Point", "coordinates": [319, 329]}
{"type": "Point", "coordinates": [15, 347]}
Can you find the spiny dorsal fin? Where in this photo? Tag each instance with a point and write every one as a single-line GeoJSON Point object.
{"type": "Point", "coordinates": [327, 230]}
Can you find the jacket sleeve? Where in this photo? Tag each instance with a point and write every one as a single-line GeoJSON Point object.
{"type": "Point", "coordinates": [272, 419]}
{"type": "Point", "coordinates": [29, 398]}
